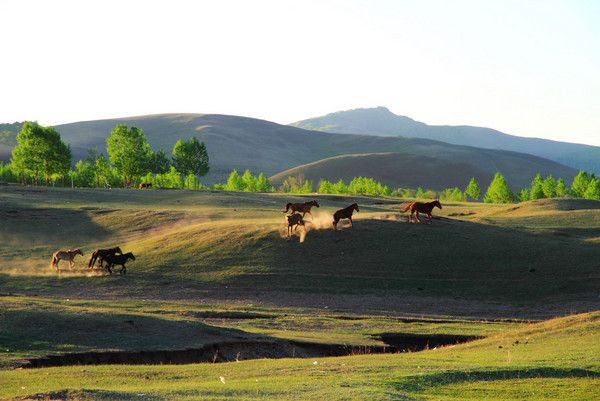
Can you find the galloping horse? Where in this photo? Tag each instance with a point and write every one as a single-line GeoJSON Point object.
{"type": "Point", "coordinates": [101, 254]}
{"type": "Point", "coordinates": [301, 207]}
{"type": "Point", "coordinates": [112, 260]}
{"type": "Point", "coordinates": [345, 213]}
{"type": "Point", "coordinates": [294, 220]}
{"type": "Point", "coordinates": [421, 207]}
{"type": "Point", "coordinates": [145, 185]}
{"type": "Point", "coordinates": [64, 255]}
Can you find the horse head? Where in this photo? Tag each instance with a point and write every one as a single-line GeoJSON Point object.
{"type": "Point", "coordinates": [437, 204]}
{"type": "Point", "coordinates": [355, 207]}
{"type": "Point", "coordinates": [118, 250]}
{"type": "Point", "coordinates": [129, 255]}
{"type": "Point", "coordinates": [314, 202]}
{"type": "Point", "coordinates": [76, 251]}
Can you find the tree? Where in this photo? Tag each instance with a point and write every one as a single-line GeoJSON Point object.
{"type": "Point", "coordinates": [523, 195]}
{"type": "Point", "coordinates": [419, 194]}
{"type": "Point", "coordinates": [340, 187]}
{"type": "Point", "coordinates": [129, 152]}
{"type": "Point", "coordinates": [234, 182]}
{"type": "Point", "coordinates": [561, 188]}
{"type": "Point", "coordinates": [593, 189]}
{"type": "Point", "coordinates": [248, 181]}
{"type": "Point", "coordinates": [101, 171]}
{"type": "Point", "coordinates": [306, 187]}
{"type": "Point", "coordinates": [473, 190]}
{"type": "Point", "coordinates": [498, 191]}
{"type": "Point", "coordinates": [549, 187]}
{"type": "Point", "coordinates": [537, 188]}
{"type": "Point", "coordinates": [159, 163]}
{"type": "Point", "coordinates": [580, 184]}
{"type": "Point", "coordinates": [263, 184]}
{"type": "Point", "coordinates": [40, 152]}
{"type": "Point", "coordinates": [190, 157]}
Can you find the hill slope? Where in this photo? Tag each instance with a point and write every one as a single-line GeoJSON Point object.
{"type": "Point", "coordinates": [381, 121]}
{"type": "Point", "coordinates": [402, 170]}
{"type": "Point", "coordinates": [240, 142]}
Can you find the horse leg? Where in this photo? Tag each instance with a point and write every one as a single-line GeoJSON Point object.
{"type": "Point", "coordinates": [71, 264]}
{"type": "Point", "coordinates": [351, 224]}
{"type": "Point", "coordinates": [429, 216]}
{"type": "Point", "coordinates": [123, 269]}
{"type": "Point", "coordinates": [410, 218]}
{"type": "Point", "coordinates": [417, 217]}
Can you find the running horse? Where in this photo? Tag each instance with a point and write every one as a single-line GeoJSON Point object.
{"type": "Point", "coordinates": [301, 207]}
{"type": "Point", "coordinates": [101, 254]}
{"type": "Point", "coordinates": [64, 255]}
{"type": "Point", "coordinates": [112, 260]}
{"type": "Point", "coordinates": [421, 207]}
{"type": "Point", "coordinates": [345, 213]}
{"type": "Point", "coordinates": [294, 221]}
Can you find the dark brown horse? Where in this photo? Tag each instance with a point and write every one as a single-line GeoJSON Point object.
{"type": "Point", "coordinates": [294, 221]}
{"type": "Point", "coordinates": [112, 260]}
{"type": "Point", "coordinates": [301, 207]}
{"type": "Point", "coordinates": [101, 254]}
{"type": "Point", "coordinates": [345, 213]}
{"type": "Point", "coordinates": [145, 185]}
{"type": "Point", "coordinates": [421, 207]}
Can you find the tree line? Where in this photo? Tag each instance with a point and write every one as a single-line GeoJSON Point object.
{"type": "Point", "coordinates": [40, 155]}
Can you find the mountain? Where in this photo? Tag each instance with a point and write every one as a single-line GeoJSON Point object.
{"type": "Point", "coordinates": [241, 142]}
{"type": "Point", "coordinates": [405, 170]}
{"type": "Point", "coordinates": [381, 121]}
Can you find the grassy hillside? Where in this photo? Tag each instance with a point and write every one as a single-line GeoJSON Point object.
{"type": "Point", "coordinates": [239, 142]}
{"type": "Point", "coordinates": [381, 121]}
{"type": "Point", "coordinates": [556, 359]}
{"type": "Point", "coordinates": [414, 170]}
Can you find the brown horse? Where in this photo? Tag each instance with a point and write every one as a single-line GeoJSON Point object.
{"type": "Point", "coordinates": [301, 207]}
{"type": "Point", "coordinates": [294, 220]}
{"type": "Point", "coordinates": [64, 255]}
{"type": "Point", "coordinates": [345, 213]}
{"type": "Point", "coordinates": [101, 254]}
{"type": "Point", "coordinates": [421, 207]}
{"type": "Point", "coordinates": [145, 185]}
{"type": "Point", "coordinates": [112, 260]}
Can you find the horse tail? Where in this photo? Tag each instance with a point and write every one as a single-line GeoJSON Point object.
{"type": "Point", "coordinates": [53, 261]}
{"type": "Point", "coordinates": [287, 207]}
{"type": "Point", "coordinates": [407, 207]}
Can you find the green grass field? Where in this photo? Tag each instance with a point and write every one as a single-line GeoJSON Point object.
{"type": "Point", "coordinates": [214, 267]}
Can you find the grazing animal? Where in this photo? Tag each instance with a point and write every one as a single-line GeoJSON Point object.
{"type": "Point", "coordinates": [345, 213]}
{"type": "Point", "coordinates": [301, 207]}
{"type": "Point", "coordinates": [100, 255]}
{"type": "Point", "coordinates": [421, 207]}
{"type": "Point", "coordinates": [145, 185]}
{"type": "Point", "coordinates": [112, 260]}
{"type": "Point", "coordinates": [64, 255]}
{"type": "Point", "coordinates": [294, 221]}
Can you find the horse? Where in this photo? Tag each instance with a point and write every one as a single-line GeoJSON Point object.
{"type": "Point", "coordinates": [64, 255]}
{"type": "Point", "coordinates": [112, 260]}
{"type": "Point", "coordinates": [294, 220]}
{"type": "Point", "coordinates": [421, 207]}
{"type": "Point", "coordinates": [101, 254]}
{"type": "Point", "coordinates": [145, 185]}
{"type": "Point", "coordinates": [301, 207]}
{"type": "Point", "coordinates": [345, 213]}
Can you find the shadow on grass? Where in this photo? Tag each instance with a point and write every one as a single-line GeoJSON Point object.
{"type": "Point", "coordinates": [422, 383]}
{"type": "Point", "coordinates": [88, 395]}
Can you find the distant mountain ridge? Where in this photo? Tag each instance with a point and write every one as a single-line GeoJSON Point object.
{"type": "Point", "coordinates": [381, 121]}
{"type": "Point", "coordinates": [259, 145]}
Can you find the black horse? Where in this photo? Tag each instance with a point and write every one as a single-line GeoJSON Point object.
{"type": "Point", "coordinates": [345, 213]}
{"type": "Point", "coordinates": [112, 260]}
{"type": "Point", "coordinates": [101, 254]}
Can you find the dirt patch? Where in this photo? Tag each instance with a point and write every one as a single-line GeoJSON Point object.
{"type": "Point", "coordinates": [405, 342]}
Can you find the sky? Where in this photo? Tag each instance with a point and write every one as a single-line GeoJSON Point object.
{"type": "Point", "coordinates": [527, 67]}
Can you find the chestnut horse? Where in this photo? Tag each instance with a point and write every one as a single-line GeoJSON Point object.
{"type": "Point", "coordinates": [345, 213]}
{"type": "Point", "coordinates": [301, 207]}
{"type": "Point", "coordinates": [294, 220]}
{"type": "Point", "coordinates": [145, 185]}
{"type": "Point", "coordinates": [421, 207]}
{"type": "Point", "coordinates": [64, 255]}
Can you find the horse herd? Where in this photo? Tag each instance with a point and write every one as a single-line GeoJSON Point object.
{"type": "Point", "coordinates": [114, 256]}
{"type": "Point", "coordinates": [296, 219]}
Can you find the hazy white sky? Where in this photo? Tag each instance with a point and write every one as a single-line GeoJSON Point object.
{"type": "Point", "coordinates": [528, 68]}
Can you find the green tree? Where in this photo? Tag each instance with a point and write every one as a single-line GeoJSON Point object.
{"type": "Point", "coordinates": [419, 194]}
{"type": "Point", "coordinates": [160, 163]}
{"type": "Point", "coordinates": [306, 188]}
{"type": "Point", "coordinates": [263, 184]}
{"type": "Point", "coordinates": [129, 152]}
{"type": "Point", "coordinates": [473, 190]}
{"type": "Point", "coordinates": [593, 189]}
{"type": "Point", "coordinates": [40, 152]}
{"type": "Point", "coordinates": [549, 187]}
{"type": "Point", "coordinates": [248, 181]}
{"type": "Point", "coordinates": [498, 191]}
{"type": "Point", "coordinates": [101, 171]}
{"type": "Point", "coordinates": [580, 184]}
{"type": "Point", "coordinates": [234, 182]}
{"type": "Point", "coordinates": [83, 174]}
{"type": "Point", "coordinates": [561, 188]}
{"type": "Point", "coordinates": [340, 187]}
{"type": "Point", "coordinates": [190, 157]}
{"type": "Point", "coordinates": [537, 188]}
{"type": "Point", "coordinates": [523, 195]}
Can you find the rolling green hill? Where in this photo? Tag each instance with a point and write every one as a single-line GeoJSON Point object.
{"type": "Point", "coordinates": [411, 170]}
{"type": "Point", "coordinates": [239, 142]}
{"type": "Point", "coordinates": [381, 121]}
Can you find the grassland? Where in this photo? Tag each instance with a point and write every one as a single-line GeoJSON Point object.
{"type": "Point", "coordinates": [213, 266]}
